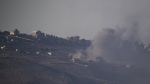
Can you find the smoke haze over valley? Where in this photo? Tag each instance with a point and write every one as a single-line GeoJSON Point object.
{"type": "Point", "coordinates": [124, 45]}
{"type": "Point", "coordinates": [74, 41]}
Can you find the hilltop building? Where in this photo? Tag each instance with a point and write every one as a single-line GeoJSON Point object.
{"type": "Point", "coordinates": [14, 32]}
{"type": "Point", "coordinates": [38, 34]}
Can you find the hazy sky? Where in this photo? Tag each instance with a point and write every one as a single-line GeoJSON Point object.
{"type": "Point", "coordinates": [71, 17]}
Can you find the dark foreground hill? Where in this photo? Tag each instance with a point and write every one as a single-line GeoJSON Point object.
{"type": "Point", "coordinates": [20, 70]}
{"type": "Point", "coordinates": [17, 68]}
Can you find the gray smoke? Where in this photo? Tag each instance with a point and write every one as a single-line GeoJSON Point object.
{"type": "Point", "coordinates": [121, 45]}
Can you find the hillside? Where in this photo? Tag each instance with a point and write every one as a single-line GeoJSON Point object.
{"type": "Point", "coordinates": [29, 59]}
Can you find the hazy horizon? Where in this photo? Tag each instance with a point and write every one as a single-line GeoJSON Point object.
{"type": "Point", "coordinates": [65, 18]}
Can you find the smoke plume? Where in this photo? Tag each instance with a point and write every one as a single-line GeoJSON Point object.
{"type": "Point", "coordinates": [122, 45]}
